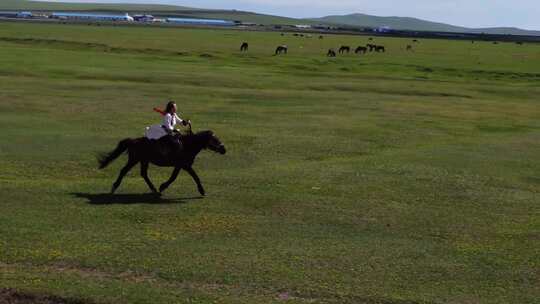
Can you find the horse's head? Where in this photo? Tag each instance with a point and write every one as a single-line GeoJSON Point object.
{"type": "Point", "coordinates": [215, 144]}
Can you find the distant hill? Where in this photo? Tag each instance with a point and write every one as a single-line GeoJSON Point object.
{"type": "Point", "coordinates": [404, 23]}
{"type": "Point", "coordinates": [38, 5]}
{"type": "Point", "coordinates": [414, 24]}
{"type": "Point", "coordinates": [157, 9]}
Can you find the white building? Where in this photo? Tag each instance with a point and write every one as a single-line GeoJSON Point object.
{"type": "Point", "coordinates": [83, 16]}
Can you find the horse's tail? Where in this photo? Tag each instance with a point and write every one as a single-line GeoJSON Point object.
{"type": "Point", "coordinates": [107, 158]}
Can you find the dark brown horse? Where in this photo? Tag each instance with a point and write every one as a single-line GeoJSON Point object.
{"type": "Point", "coordinates": [145, 151]}
{"type": "Point", "coordinates": [331, 53]}
{"type": "Point", "coordinates": [244, 47]}
{"type": "Point", "coordinates": [344, 49]}
{"type": "Point", "coordinates": [380, 49]}
{"type": "Point", "coordinates": [282, 49]}
{"type": "Point", "coordinates": [360, 49]}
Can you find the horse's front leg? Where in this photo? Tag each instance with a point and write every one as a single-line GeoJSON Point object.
{"type": "Point", "coordinates": [144, 174]}
{"type": "Point", "coordinates": [173, 177]}
{"type": "Point", "coordinates": [196, 179]}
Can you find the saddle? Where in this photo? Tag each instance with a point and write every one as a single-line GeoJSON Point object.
{"type": "Point", "coordinates": [167, 145]}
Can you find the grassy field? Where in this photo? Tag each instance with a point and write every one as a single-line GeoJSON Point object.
{"type": "Point", "coordinates": [405, 177]}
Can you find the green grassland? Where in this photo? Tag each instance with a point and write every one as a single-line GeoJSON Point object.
{"type": "Point", "coordinates": [405, 177]}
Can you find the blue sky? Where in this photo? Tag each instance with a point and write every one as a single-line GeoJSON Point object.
{"type": "Point", "coordinates": [470, 13]}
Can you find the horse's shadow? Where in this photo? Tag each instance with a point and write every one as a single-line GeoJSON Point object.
{"type": "Point", "coordinates": [131, 199]}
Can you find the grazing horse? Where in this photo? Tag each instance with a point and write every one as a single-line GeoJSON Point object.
{"type": "Point", "coordinates": [244, 47]}
{"type": "Point", "coordinates": [409, 47]}
{"type": "Point", "coordinates": [519, 43]}
{"type": "Point", "coordinates": [415, 41]}
{"type": "Point", "coordinates": [145, 151]}
{"type": "Point", "coordinates": [371, 46]}
{"type": "Point", "coordinates": [360, 49]}
{"type": "Point", "coordinates": [344, 49]}
{"type": "Point", "coordinates": [321, 37]}
{"type": "Point", "coordinates": [282, 49]}
{"type": "Point", "coordinates": [370, 39]}
{"type": "Point", "coordinates": [331, 53]}
{"type": "Point", "coordinates": [380, 49]}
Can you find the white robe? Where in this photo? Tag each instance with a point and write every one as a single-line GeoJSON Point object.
{"type": "Point", "coordinates": [160, 130]}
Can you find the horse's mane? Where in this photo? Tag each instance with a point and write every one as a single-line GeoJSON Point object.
{"type": "Point", "coordinates": [199, 137]}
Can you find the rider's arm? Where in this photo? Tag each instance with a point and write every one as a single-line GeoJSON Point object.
{"type": "Point", "coordinates": [180, 120]}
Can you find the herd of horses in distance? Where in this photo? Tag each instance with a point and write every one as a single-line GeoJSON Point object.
{"type": "Point", "coordinates": [344, 49]}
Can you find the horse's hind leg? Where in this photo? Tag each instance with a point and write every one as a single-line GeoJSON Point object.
{"type": "Point", "coordinates": [123, 172]}
{"type": "Point", "coordinates": [144, 174]}
{"type": "Point", "coordinates": [173, 177]}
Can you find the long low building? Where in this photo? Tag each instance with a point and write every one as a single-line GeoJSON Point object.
{"type": "Point", "coordinates": [144, 18]}
{"type": "Point", "coordinates": [195, 21]}
{"type": "Point", "coordinates": [10, 14]}
{"type": "Point", "coordinates": [83, 16]}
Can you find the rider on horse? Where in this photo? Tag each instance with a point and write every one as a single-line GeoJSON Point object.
{"type": "Point", "coordinates": [165, 132]}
